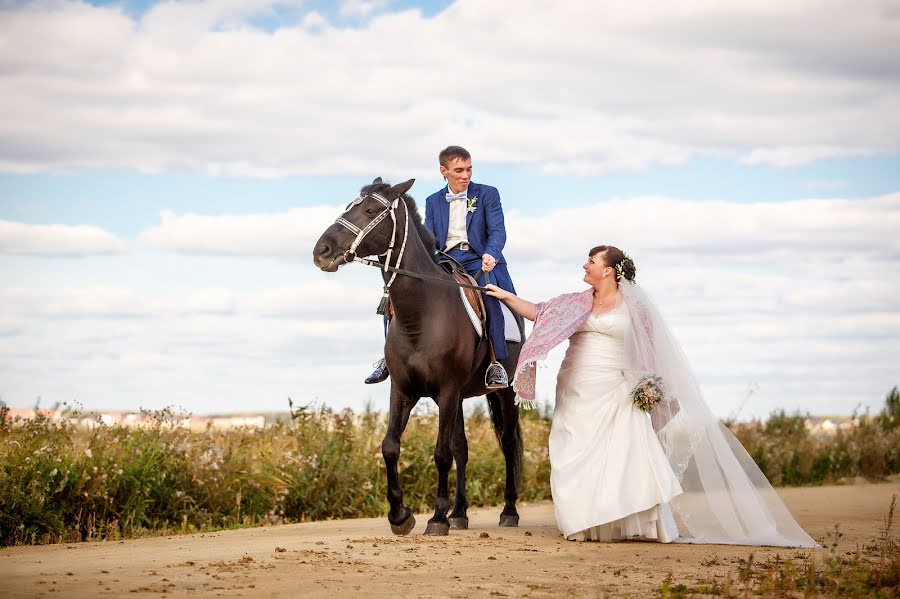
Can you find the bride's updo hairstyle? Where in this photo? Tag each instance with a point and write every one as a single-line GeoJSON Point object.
{"type": "Point", "coordinates": [613, 257]}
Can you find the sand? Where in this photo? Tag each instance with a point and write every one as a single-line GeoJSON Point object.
{"type": "Point", "coordinates": [360, 558]}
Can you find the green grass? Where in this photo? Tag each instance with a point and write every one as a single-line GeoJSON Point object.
{"type": "Point", "coordinates": [59, 483]}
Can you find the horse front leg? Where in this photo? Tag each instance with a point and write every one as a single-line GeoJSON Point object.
{"type": "Point", "coordinates": [448, 406]}
{"type": "Point", "coordinates": [459, 520]}
{"type": "Point", "coordinates": [401, 517]}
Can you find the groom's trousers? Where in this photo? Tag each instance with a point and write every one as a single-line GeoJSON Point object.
{"type": "Point", "coordinates": [472, 263]}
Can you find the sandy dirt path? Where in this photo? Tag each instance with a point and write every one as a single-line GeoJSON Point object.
{"type": "Point", "coordinates": [360, 558]}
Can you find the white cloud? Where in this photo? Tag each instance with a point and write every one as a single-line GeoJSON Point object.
{"type": "Point", "coordinates": [319, 298]}
{"type": "Point", "coordinates": [292, 233]}
{"type": "Point", "coordinates": [360, 9]}
{"type": "Point", "coordinates": [797, 297]}
{"type": "Point", "coordinates": [313, 21]}
{"type": "Point", "coordinates": [314, 299]}
{"type": "Point", "coordinates": [825, 185]}
{"type": "Point", "coordinates": [714, 230]}
{"type": "Point", "coordinates": [190, 15]}
{"type": "Point", "coordinates": [86, 302]}
{"type": "Point", "coordinates": [789, 156]}
{"type": "Point", "coordinates": [570, 87]}
{"type": "Point", "coordinates": [710, 230]}
{"type": "Point", "coordinates": [57, 240]}
{"type": "Point", "coordinates": [182, 348]}
{"type": "Point", "coordinates": [211, 301]}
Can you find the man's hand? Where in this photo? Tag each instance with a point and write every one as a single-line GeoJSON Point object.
{"type": "Point", "coordinates": [488, 263]}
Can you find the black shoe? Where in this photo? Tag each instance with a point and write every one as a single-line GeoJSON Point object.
{"type": "Point", "coordinates": [495, 377]}
{"type": "Point", "coordinates": [380, 373]}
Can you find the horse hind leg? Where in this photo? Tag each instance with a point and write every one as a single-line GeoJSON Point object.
{"type": "Point", "coordinates": [400, 517]}
{"type": "Point", "coordinates": [459, 519]}
{"type": "Point", "coordinates": [505, 418]}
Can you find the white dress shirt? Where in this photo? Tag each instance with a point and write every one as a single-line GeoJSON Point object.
{"type": "Point", "coordinates": [456, 227]}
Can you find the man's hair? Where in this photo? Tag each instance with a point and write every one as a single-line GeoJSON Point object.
{"type": "Point", "coordinates": [451, 152]}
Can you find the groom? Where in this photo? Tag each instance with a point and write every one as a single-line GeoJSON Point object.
{"type": "Point", "coordinates": [466, 218]}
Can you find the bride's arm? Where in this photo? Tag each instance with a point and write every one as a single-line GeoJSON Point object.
{"type": "Point", "coordinates": [522, 307]}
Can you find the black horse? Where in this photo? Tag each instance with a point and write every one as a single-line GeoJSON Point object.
{"type": "Point", "coordinates": [431, 350]}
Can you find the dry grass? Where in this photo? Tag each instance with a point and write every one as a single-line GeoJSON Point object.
{"type": "Point", "coordinates": [60, 483]}
{"type": "Point", "coordinates": [870, 571]}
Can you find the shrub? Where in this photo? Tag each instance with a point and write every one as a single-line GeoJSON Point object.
{"type": "Point", "coordinates": [62, 483]}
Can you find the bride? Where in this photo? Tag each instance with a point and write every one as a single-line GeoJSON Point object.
{"type": "Point", "coordinates": [617, 472]}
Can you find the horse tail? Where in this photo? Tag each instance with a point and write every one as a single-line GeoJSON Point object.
{"type": "Point", "coordinates": [495, 408]}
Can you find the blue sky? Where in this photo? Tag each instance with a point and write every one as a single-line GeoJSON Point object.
{"type": "Point", "coordinates": [72, 197]}
{"type": "Point", "coordinates": [283, 14]}
{"type": "Point", "coordinates": [166, 167]}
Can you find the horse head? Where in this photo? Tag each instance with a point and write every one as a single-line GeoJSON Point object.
{"type": "Point", "coordinates": [365, 228]}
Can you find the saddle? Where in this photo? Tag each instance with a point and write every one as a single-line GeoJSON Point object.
{"type": "Point", "coordinates": [472, 297]}
{"type": "Point", "coordinates": [473, 300]}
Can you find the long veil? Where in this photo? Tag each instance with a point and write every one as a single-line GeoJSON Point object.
{"type": "Point", "coordinates": [726, 498]}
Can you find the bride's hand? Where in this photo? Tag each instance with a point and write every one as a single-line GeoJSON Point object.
{"type": "Point", "coordinates": [500, 294]}
{"type": "Point", "coordinates": [515, 303]}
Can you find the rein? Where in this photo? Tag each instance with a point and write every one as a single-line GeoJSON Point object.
{"type": "Point", "coordinates": [417, 275]}
{"type": "Point", "coordinates": [390, 209]}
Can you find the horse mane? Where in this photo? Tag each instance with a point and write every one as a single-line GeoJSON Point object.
{"type": "Point", "coordinates": [425, 235]}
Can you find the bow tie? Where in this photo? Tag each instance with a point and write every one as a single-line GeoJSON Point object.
{"type": "Point", "coordinates": [452, 197]}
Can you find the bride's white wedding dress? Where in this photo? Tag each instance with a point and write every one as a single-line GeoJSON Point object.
{"type": "Point", "coordinates": [676, 474]}
{"type": "Point", "coordinates": [609, 474]}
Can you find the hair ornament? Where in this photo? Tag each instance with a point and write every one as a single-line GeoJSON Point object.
{"type": "Point", "coordinates": [620, 267]}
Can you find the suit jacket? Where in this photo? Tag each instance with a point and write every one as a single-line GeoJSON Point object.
{"type": "Point", "coordinates": [484, 227]}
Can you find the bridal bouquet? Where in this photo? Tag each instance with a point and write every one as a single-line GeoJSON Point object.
{"type": "Point", "coordinates": [648, 392]}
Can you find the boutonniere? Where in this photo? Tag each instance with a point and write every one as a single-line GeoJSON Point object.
{"type": "Point", "coordinates": [470, 204]}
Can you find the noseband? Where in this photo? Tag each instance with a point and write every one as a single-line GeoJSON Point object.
{"type": "Point", "coordinates": [390, 209]}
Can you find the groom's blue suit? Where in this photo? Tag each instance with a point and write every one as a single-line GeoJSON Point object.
{"type": "Point", "coordinates": [486, 232]}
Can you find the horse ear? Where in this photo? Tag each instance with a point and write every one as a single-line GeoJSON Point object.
{"type": "Point", "coordinates": [377, 181]}
{"type": "Point", "coordinates": [402, 188]}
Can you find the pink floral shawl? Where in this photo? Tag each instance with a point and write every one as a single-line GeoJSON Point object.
{"type": "Point", "coordinates": [556, 320]}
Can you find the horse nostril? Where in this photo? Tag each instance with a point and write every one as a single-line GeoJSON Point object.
{"type": "Point", "coordinates": [323, 249]}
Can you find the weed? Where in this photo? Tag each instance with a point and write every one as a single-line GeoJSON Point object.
{"type": "Point", "coordinates": [62, 483]}
{"type": "Point", "coordinates": [872, 572]}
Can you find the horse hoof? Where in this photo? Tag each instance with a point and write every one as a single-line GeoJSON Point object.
{"type": "Point", "coordinates": [437, 529]}
{"type": "Point", "coordinates": [509, 520]}
{"type": "Point", "coordinates": [405, 528]}
{"type": "Point", "coordinates": [459, 522]}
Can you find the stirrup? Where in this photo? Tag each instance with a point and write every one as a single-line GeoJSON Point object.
{"type": "Point", "coordinates": [495, 377]}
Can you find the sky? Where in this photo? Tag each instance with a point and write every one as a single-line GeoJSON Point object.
{"type": "Point", "coordinates": [166, 168]}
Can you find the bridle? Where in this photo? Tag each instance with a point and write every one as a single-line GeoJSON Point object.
{"type": "Point", "coordinates": [390, 209]}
